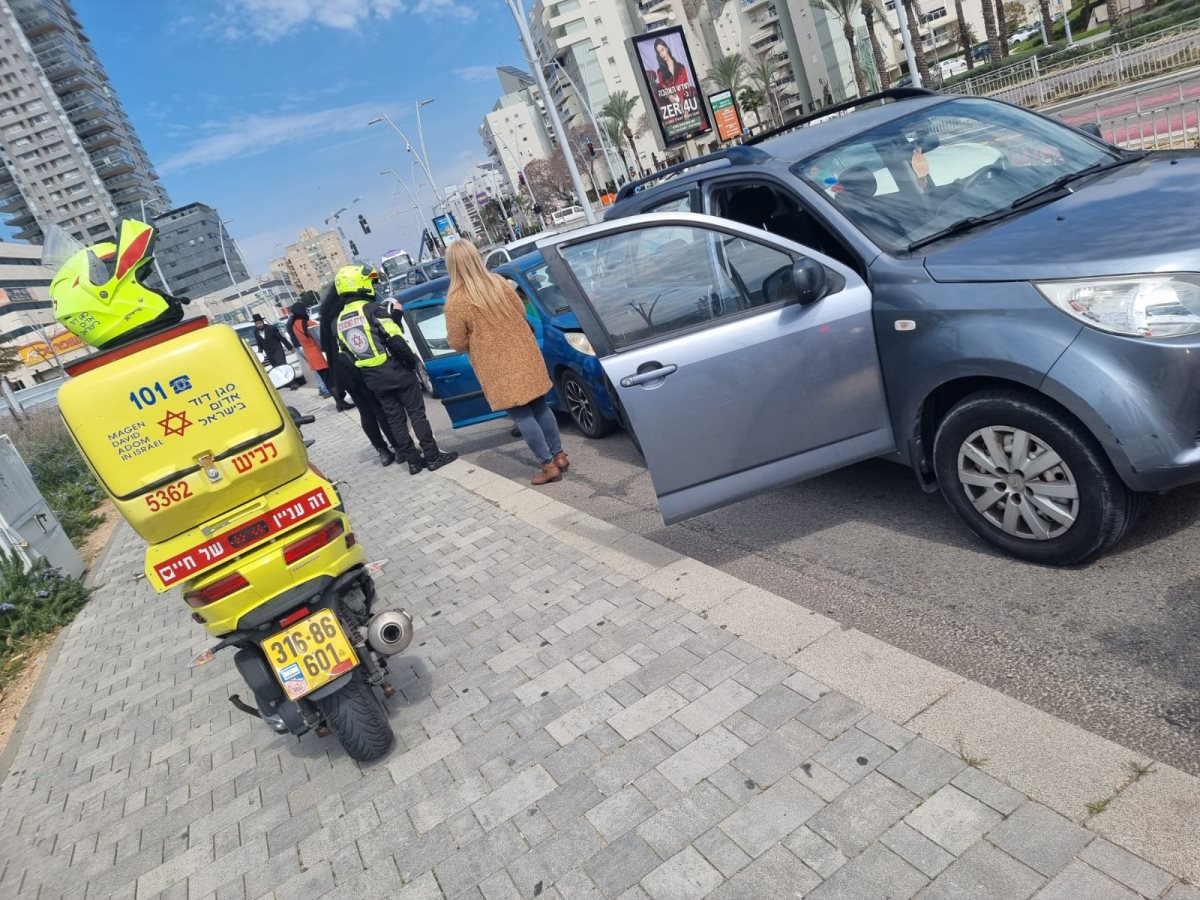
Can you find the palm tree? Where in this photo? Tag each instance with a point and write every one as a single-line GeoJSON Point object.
{"type": "Point", "coordinates": [751, 100]}
{"type": "Point", "coordinates": [616, 136]}
{"type": "Point", "coordinates": [1047, 22]}
{"type": "Point", "coordinates": [728, 72]}
{"type": "Point", "coordinates": [845, 10]}
{"type": "Point", "coordinates": [1002, 28]}
{"type": "Point", "coordinates": [619, 109]}
{"type": "Point", "coordinates": [762, 75]}
{"type": "Point", "coordinates": [1114, 16]}
{"type": "Point", "coordinates": [911, 10]}
{"type": "Point", "coordinates": [873, 10]}
{"type": "Point", "coordinates": [989, 27]}
{"type": "Point", "coordinates": [964, 34]}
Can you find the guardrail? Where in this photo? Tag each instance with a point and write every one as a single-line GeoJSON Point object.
{"type": "Point", "coordinates": [31, 398]}
{"type": "Point", "coordinates": [1035, 82]}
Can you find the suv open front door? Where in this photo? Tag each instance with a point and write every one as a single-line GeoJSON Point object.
{"type": "Point", "coordinates": [734, 379]}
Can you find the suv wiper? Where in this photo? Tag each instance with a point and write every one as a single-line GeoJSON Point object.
{"type": "Point", "coordinates": [959, 227]}
{"type": "Point", "coordinates": [1061, 182]}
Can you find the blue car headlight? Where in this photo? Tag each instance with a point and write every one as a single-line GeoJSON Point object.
{"type": "Point", "coordinates": [1149, 306]}
{"type": "Point", "coordinates": [578, 341]}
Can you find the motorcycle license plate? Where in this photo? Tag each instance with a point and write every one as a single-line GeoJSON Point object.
{"type": "Point", "coordinates": [310, 653]}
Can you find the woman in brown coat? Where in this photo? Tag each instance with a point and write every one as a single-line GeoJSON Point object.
{"type": "Point", "coordinates": [486, 320]}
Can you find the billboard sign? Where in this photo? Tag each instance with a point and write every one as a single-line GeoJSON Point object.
{"type": "Point", "coordinates": [37, 352]}
{"type": "Point", "coordinates": [672, 84]}
{"type": "Point", "coordinates": [725, 115]}
{"type": "Point", "coordinates": [447, 228]}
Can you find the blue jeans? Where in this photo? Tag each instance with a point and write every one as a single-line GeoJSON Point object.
{"type": "Point", "coordinates": [539, 428]}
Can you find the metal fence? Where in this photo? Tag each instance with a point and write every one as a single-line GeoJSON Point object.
{"type": "Point", "coordinates": [1036, 82]}
{"type": "Point", "coordinates": [31, 398]}
{"type": "Point", "coordinates": [1174, 126]}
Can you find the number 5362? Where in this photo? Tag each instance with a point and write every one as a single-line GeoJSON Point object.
{"type": "Point", "coordinates": [164, 497]}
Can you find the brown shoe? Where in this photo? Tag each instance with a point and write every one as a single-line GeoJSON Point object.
{"type": "Point", "coordinates": [549, 472]}
{"type": "Point", "coordinates": [562, 461]}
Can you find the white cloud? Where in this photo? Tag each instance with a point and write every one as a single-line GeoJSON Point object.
{"type": "Point", "coordinates": [271, 20]}
{"type": "Point", "coordinates": [250, 135]}
{"type": "Point", "coordinates": [476, 73]}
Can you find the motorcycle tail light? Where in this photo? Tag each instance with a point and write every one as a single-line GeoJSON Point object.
{"type": "Point", "coordinates": [293, 617]}
{"type": "Point", "coordinates": [312, 542]}
{"type": "Point", "coordinates": [215, 591]}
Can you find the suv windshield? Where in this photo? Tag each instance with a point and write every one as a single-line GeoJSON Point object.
{"type": "Point", "coordinates": [949, 167]}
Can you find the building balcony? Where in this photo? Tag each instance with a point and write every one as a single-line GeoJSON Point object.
{"type": "Point", "coordinates": [24, 216]}
{"type": "Point", "coordinates": [131, 194]}
{"type": "Point", "coordinates": [114, 168]}
{"type": "Point", "coordinates": [60, 63]}
{"type": "Point", "coordinates": [78, 80]}
{"type": "Point", "coordinates": [11, 202]}
{"type": "Point", "coordinates": [90, 125]}
{"type": "Point", "coordinates": [124, 180]}
{"type": "Point", "coordinates": [748, 5]}
{"type": "Point", "coordinates": [48, 20]}
{"type": "Point", "coordinates": [102, 139]}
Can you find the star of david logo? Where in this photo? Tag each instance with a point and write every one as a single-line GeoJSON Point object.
{"type": "Point", "coordinates": [180, 420]}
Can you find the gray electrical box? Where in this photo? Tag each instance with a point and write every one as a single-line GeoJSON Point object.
{"type": "Point", "coordinates": [27, 525]}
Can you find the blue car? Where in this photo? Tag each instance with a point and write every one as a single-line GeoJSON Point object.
{"type": "Point", "coordinates": [580, 388]}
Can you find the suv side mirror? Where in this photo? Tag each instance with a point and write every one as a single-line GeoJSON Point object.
{"type": "Point", "coordinates": [1091, 128]}
{"type": "Point", "coordinates": [810, 281]}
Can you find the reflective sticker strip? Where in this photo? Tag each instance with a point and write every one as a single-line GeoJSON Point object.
{"type": "Point", "coordinates": [203, 556]}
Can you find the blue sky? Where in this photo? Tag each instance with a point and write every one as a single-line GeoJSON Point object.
{"type": "Point", "coordinates": [260, 107]}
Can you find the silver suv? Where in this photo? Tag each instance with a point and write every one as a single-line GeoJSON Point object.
{"type": "Point", "coordinates": [1007, 304]}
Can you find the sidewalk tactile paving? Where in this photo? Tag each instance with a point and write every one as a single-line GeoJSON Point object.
{"type": "Point", "coordinates": [563, 731]}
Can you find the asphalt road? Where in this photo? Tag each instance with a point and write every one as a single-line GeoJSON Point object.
{"type": "Point", "coordinates": [1111, 646]}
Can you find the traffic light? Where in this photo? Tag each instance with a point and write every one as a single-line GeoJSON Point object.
{"type": "Point", "coordinates": [363, 224]}
{"type": "Point", "coordinates": [353, 249]}
{"type": "Point", "coordinates": [591, 149]}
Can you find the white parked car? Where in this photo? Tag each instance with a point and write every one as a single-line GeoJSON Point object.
{"type": "Point", "coordinates": [1023, 33]}
{"type": "Point", "coordinates": [518, 248]}
{"type": "Point", "coordinates": [948, 68]}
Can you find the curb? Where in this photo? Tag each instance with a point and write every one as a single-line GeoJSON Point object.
{"type": "Point", "coordinates": [21, 725]}
{"type": "Point", "coordinates": [1154, 813]}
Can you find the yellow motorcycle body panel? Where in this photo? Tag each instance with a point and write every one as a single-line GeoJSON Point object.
{"type": "Point", "coordinates": [251, 541]}
{"type": "Point", "coordinates": [181, 431]}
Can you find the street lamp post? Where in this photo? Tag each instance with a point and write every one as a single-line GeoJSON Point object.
{"type": "Point", "coordinates": [421, 138]}
{"type": "Point", "coordinates": [517, 162]}
{"type": "Point", "coordinates": [409, 147]}
{"type": "Point", "coordinates": [611, 158]}
{"type": "Point", "coordinates": [416, 204]}
{"type": "Point", "coordinates": [221, 223]}
{"type": "Point", "coordinates": [909, 54]}
{"type": "Point", "coordinates": [556, 122]}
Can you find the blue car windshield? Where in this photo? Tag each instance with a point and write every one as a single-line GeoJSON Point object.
{"type": "Point", "coordinates": [909, 180]}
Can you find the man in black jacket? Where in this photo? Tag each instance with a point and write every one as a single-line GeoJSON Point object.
{"type": "Point", "coordinates": [271, 342]}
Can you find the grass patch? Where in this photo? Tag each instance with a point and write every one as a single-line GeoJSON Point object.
{"type": "Point", "coordinates": [32, 603]}
{"type": "Point", "coordinates": [1098, 806]}
{"type": "Point", "coordinates": [975, 762]}
{"type": "Point", "coordinates": [59, 471]}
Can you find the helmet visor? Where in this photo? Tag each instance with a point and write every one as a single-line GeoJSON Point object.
{"type": "Point", "coordinates": [60, 246]}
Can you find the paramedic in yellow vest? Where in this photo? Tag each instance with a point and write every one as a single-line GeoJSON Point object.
{"type": "Point", "coordinates": [387, 364]}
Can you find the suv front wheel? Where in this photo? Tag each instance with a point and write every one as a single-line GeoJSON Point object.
{"type": "Point", "coordinates": [1030, 480]}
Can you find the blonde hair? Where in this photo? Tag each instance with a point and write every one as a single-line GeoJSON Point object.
{"type": "Point", "coordinates": [470, 280]}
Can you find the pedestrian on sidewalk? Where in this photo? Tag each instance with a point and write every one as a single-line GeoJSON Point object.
{"type": "Point", "coordinates": [273, 345]}
{"type": "Point", "coordinates": [486, 319]}
{"type": "Point", "coordinates": [386, 364]}
{"type": "Point", "coordinates": [298, 326]}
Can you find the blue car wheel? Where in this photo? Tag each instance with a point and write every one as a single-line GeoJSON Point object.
{"type": "Point", "coordinates": [581, 404]}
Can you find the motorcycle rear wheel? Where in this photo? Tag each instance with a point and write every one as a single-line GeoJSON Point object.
{"type": "Point", "coordinates": [358, 719]}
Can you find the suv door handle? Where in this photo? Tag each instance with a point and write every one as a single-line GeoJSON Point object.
{"type": "Point", "coordinates": [651, 375]}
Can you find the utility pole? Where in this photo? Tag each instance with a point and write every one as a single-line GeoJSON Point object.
{"type": "Point", "coordinates": [555, 120]}
{"type": "Point", "coordinates": [909, 55]}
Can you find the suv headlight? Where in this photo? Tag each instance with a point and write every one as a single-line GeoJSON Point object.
{"type": "Point", "coordinates": [579, 341]}
{"type": "Point", "coordinates": [1151, 306]}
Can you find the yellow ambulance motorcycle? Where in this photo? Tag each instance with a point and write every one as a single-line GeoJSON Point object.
{"type": "Point", "coordinates": [187, 435]}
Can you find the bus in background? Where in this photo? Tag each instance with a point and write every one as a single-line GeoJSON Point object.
{"type": "Point", "coordinates": [395, 265]}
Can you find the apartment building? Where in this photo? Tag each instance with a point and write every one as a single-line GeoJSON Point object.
{"type": "Point", "coordinates": [27, 318]}
{"type": "Point", "coordinates": [516, 132]}
{"type": "Point", "coordinates": [68, 153]}
{"type": "Point", "coordinates": [311, 262]}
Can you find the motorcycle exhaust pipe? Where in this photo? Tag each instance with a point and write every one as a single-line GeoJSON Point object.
{"type": "Point", "coordinates": [390, 632]}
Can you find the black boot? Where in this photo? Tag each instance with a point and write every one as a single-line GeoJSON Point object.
{"type": "Point", "coordinates": [416, 464]}
{"type": "Point", "coordinates": [342, 405]}
{"type": "Point", "coordinates": [386, 457]}
{"type": "Point", "coordinates": [441, 459]}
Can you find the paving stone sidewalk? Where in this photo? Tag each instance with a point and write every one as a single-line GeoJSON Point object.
{"type": "Point", "coordinates": [564, 732]}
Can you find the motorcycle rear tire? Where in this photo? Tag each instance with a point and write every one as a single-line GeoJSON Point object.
{"type": "Point", "coordinates": [358, 719]}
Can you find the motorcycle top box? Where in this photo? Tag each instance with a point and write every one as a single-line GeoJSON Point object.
{"type": "Point", "coordinates": [182, 429]}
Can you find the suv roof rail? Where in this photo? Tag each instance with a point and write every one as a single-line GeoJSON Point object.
{"type": "Point", "coordinates": [900, 93]}
{"type": "Point", "coordinates": [736, 156]}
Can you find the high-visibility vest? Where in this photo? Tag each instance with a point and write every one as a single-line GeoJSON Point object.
{"type": "Point", "coordinates": [365, 336]}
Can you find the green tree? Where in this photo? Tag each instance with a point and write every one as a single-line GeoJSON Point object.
{"type": "Point", "coordinates": [874, 11]}
{"type": "Point", "coordinates": [845, 11]}
{"type": "Point", "coordinates": [1015, 12]}
{"type": "Point", "coordinates": [620, 108]}
{"type": "Point", "coordinates": [762, 75]}
{"type": "Point", "coordinates": [1113, 9]}
{"type": "Point", "coordinates": [751, 100]}
{"type": "Point", "coordinates": [728, 73]}
{"type": "Point", "coordinates": [966, 40]}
